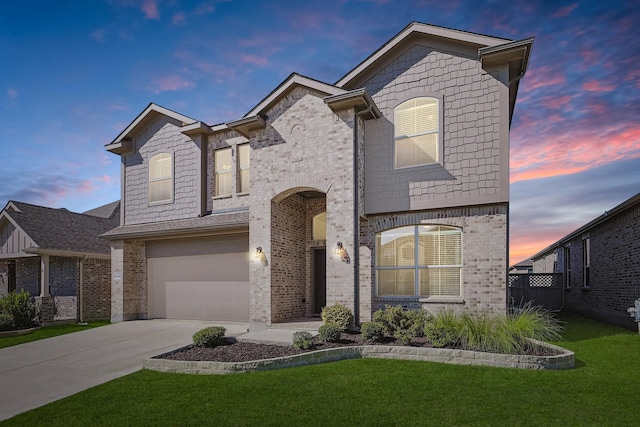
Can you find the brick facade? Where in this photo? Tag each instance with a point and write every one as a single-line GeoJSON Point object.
{"type": "Point", "coordinates": [129, 293]}
{"type": "Point", "coordinates": [96, 282]}
{"type": "Point", "coordinates": [614, 273]}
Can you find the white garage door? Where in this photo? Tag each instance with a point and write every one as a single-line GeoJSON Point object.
{"type": "Point", "coordinates": [199, 278]}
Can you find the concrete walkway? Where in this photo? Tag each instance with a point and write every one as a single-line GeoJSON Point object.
{"type": "Point", "coordinates": [40, 372]}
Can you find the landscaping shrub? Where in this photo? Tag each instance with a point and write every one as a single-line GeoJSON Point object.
{"type": "Point", "coordinates": [22, 310]}
{"type": "Point", "coordinates": [532, 323]}
{"type": "Point", "coordinates": [372, 331]}
{"type": "Point", "coordinates": [212, 336]}
{"type": "Point", "coordinates": [337, 314]}
{"type": "Point", "coordinates": [6, 322]}
{"type": "Point", "coordinates": [443, 329]}
{"type": "Point", "coordinates": [402, 324]}
{"type": "Point", "coordinates": [329, 332]}
{"type": "Point", "coordinates": [303, 340]}
{"type": "Point", "coordinates": [485, 332]}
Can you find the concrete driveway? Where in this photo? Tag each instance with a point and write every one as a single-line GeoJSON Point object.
{"type": "Point", "coordinates": [39, 372]}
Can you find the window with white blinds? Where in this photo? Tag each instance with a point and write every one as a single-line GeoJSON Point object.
{"type": "Point", "coordinates": [416, 123]}
{"type": "Point", "coordinates": [244, 168]}
{"type": "Point", "coordinates": [223, 172]}
{"type": "Point", "coordinates": [419, 261]}
{"type": "Point", "coordinates": [160, 178]}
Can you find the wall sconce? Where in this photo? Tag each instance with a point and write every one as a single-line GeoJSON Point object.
{"type": "Point", "coordinates": [261, 256]}
{"type": "Point", "coordinates": [340, 250]}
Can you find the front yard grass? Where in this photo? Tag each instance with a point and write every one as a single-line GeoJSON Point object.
{"type": "Point", "coordinates": [603, 390]}
{"type": "Point", "coordinates": [48, 332]}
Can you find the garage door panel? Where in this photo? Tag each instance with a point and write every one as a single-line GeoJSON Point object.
{"type": "Point", "coordinates": [212, 286]}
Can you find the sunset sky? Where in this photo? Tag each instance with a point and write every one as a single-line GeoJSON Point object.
{"type": "Point", "coordinates": [73, 74]}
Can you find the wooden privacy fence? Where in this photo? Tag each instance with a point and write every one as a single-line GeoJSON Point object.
{"type": "Point", "coordinates": [536, 289]}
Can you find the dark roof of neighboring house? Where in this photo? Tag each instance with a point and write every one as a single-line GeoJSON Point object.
{"type": "Point", "coordinates": [110, 210]}
{"type": "Point", "coordinates": [622, 207]}
{"type": "Point", "coordinates": [218, 221]}
{"type": "Point", "coordinates": [62, 230]}
{"type": "Point", "coordinates": [523, 264]}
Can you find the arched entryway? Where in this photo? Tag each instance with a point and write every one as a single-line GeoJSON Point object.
{"type": "Point", "coordinates": [298, 260]}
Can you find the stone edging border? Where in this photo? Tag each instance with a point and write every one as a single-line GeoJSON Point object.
{"type": "Point", "coordinates": [18, 332]}
{"type": "Point", "coordinates": [565, 360]}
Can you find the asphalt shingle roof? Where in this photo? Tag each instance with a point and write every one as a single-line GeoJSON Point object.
{"type": "Point", "coordinates": [60, 229]}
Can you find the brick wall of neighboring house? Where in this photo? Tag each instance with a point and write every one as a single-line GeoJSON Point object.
{"type": "Point", "coordinates": [135, 281]}
{"type": "Point", "coordinates": [614, 281]}
{"type": "Point", "coordinates": [161, 136]}
{"type": "Point", "coordinates": [288, 258]}
{"type": "Point", "coordinates": [64, 276]}
{"type": "Point", "coordinates": [484, 262]}
{"type": "Point", "coordinates": [305, 146]}
{"type": "Point", "coordinates": [28, 275]}
{"type": "Point", "coordinates": [96, 278]}
{"type": "Point", "coordinates": [547, 264]}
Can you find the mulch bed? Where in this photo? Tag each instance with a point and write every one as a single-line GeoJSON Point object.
{"type": "Point", "coordinates": [240, 351]}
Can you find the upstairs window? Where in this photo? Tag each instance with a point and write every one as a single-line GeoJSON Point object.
{"type": "Point", "coordinates": [243, 168]}
{"type": "Point", "coordinates": [416, 134]}
{"type": "Point", "coordinates": [419, 261]}
{"type": "Point", "coordinates": [160, 178]}
{"type": "Point", "coordinates": [586, 258]}
{"type": "Point", "coordinates": [223, 172]}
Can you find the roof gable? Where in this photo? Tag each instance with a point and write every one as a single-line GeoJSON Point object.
{"type": "Point", "coordinates": [122, 142]}
{"type": "Point", "coordinates": [290, 83]}
{"type": "Point", "coordinates": [391, 47]}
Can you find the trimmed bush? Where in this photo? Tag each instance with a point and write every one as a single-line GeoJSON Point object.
{"type": "Point", "coordinates": [372, 331]}
{"type": "Point", "coordinates": [303, 340]}
{"type": "Point", "coordinates": [532, 323]}
{"type": "Point", "coordinates": [212, 336]}
{"type": "Point", "coordinates": [6, 322]}
{"type": "Point", "coordinates": [443, 329]}
{"type": "Point", "coordinates": [329, 333]}
{"type": "Point", "coordinates": [402, 324]}
{"type": "Point", "coordinates": [337, 314]}
{"type": "Point", "coordinates": [21, 308]}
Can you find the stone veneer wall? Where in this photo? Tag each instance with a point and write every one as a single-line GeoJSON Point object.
{"type": "Point", "coordinates": [484, 257]}
{"type": "Point", "coordinates": [96, 289]}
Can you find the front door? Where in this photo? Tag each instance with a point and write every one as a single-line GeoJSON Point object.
{"type": "Point", "coordinates": [319, 280]}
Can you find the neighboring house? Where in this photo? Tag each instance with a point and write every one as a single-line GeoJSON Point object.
{"type": "Point", "coordinates": [523, 267]}
{"type": "Point", "coordinates": [390, 186]}
{"type": "Point", "coordinates": [56, 253]}
{"type": "Point", "coordinates": [600, 262]}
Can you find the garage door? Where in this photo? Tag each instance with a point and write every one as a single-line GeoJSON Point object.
{"type": "Point", "coordinates": [199, 278]}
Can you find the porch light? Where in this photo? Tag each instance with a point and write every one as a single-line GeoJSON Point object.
{"type": "Point", "coordinates": [261, 256]}
{"type": "Point", "coordinates": [340, 250]}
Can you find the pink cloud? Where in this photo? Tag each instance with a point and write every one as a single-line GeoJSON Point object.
{"type": "Point", "coordinates": [596, 86]}
{"type": "Point", "coordinates": [171, 83]}
{"type": "Point", "coordinates": [93, 184]}
{"type": "Point", "coordinates": [573, 151]}
{"type": "Point", "coordinates": [542, 77]}
{"type": "Point", "coordinates": [12, 93]}
{"type": "Point", "coordinates": [253, 59]}
{"type": "Point", "coordinates": [564, 11]}
{"type": "Point", "coordinates": [150, 9]}
{"type": "Point", "coordinates": [219, 72]}
{"type": "Point", "coordinates": [557, 101]}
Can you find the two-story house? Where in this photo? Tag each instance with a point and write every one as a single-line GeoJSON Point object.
{"type": "Point", "coordinates": [390, 186]}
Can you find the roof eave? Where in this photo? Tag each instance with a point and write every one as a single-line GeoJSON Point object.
{"type": "Point", "coordinates": [358, 99]}
{"type": "Point", "coordinates": [67, 254]}
{"type": "Point", "coordinates": [190, 231]}
{"type": "Point", "coordinates": [247, 125]}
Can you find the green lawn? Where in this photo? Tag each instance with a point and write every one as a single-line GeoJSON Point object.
{"type": "Point", "coordinates": [47, 332]}
{"type": "Point", "coordinates": [603, 390]}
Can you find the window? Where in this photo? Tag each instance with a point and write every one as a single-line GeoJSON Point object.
{"type": "Point", "coordinates": [243, 168]}
{"type": "Point", "coordinates": [567, 267]}
{"type": "Point", "coordinates": [223, 172]}
{"type": "Point", "coordinates": [160, 178]}
{"type": "Point", "coordinates": [419, 261]}
{"type": "Point", "coordinates": [319, 231]}
{"type": "Point", "coordinates": [586, 258]}
{"type": "Point", "coordinates": [416, 124]}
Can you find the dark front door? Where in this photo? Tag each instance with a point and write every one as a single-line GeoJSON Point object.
{"type": "Point", "coordinates": [319, 280]}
